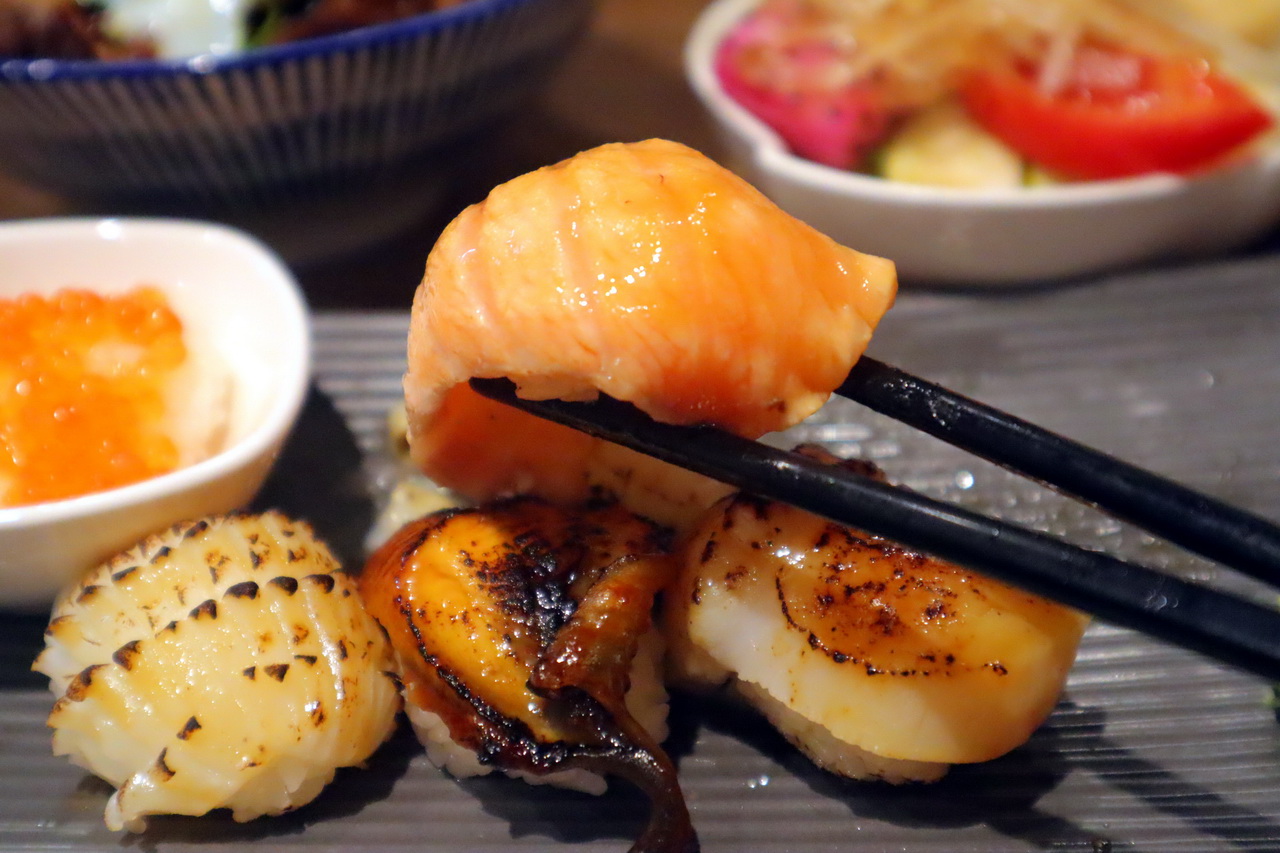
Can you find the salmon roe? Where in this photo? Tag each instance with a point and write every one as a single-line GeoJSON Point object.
{"type": "Point", "coordinates": [83, 392]}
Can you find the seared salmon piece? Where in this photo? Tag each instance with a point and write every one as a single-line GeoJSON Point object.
{"type": "Point", "coordinates": [643, 271]}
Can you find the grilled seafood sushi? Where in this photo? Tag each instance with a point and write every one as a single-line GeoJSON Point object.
{"type": "Point", "coordinates": [223, 663]}
{"type": "Point", "coordinates": [524, 639]}
{"type": "Point", "coordinates": [644, 271]}
{"type": "Point", "coordinates": [876, 661]}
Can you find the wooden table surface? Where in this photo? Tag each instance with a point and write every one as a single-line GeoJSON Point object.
{"type": "Point", "coordinates": [622, 82]}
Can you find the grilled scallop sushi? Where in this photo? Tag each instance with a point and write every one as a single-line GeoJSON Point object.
{"type": "Point", "coordinates": [875, 660]}
{"type": "Point", "coordinates": [224, 663]}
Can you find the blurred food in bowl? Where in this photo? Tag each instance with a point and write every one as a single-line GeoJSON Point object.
{"type": "Point", "coordinates": [999, 92]}
{"type": "Point", "coordinates": [335, 139]}
{"type": "Point", "coordinates": [974, 211]}
{"type": "Point", "coordinates": [143, 29]}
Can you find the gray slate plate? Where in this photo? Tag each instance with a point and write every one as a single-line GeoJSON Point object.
{"type": "Point", "coordinates": [1151, 749]}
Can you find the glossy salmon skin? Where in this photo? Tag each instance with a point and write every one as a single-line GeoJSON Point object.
{"type": "Point", "coordinates": [644, 271]}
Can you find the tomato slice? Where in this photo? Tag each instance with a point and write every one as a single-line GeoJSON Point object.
{"type": "Point", "coordinates": [1118, 114]}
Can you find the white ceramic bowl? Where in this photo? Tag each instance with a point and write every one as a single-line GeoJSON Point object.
{"type": "Point", "coordinates": [1006, 237]}
{"type": "Point", "coordinates": [238, 304]}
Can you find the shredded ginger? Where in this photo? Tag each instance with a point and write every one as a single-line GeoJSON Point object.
{"type": "Point", "coordinates": [916, 49]}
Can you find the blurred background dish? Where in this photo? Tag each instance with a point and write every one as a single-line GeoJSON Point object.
{"type": "Point", "coordinates": [247, 338]}
{"type": "Point", "coordinates": [992, 235]}
{"type": "Point", "coordinates": [180, 29]}
{"type": "Point", "coordinates": [351, 135]}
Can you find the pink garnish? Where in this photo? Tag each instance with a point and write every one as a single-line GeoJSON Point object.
{"type": "Point", "coordinates": [792, 75]}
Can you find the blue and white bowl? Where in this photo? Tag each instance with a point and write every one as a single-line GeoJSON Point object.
{"type": "Point", "coordinates": [336, 111]}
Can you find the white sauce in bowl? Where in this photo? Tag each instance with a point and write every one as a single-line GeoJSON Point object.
{"type": "Point", "coordinates": [181, 28]}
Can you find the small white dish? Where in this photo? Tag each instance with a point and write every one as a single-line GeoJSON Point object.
{"type": "Point", "coordinates": [239, 306]}
{"type": "Point", "coordinates": [989, 237]}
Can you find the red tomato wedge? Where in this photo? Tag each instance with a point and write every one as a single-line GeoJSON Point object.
{"type": "Point", "coordinates": [1118, 114]}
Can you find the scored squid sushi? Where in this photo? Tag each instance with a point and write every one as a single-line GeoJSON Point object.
{"type": "Point", "coordinates": [223, 663]}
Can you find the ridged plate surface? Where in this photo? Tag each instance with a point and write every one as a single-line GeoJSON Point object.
{"type": "Point", "coordinates": [1152, 749]}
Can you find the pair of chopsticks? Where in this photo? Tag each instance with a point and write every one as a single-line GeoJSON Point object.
{"type": "Point", "coordinates": [1231, 629]}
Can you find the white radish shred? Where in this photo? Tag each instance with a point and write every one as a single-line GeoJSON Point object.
{"type": "Point", "coordinates": [916, 48]}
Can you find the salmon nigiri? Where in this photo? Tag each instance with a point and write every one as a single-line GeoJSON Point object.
{"type": "Point", "coordinates": [644, 271]}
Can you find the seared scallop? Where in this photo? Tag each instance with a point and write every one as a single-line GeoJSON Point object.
{"type": "Point", "coordinates": [876, 660]}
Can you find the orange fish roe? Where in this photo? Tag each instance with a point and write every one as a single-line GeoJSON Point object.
{"type": "Point", "coordinates": [83, 381]}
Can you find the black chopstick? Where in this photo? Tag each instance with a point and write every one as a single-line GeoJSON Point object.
{"type": "Point", "coordinates": [1198, 522]}
{"type": "Point", "coordinates": [1231, 629]}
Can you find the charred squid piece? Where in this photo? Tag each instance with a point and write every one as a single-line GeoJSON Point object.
{"type": "Point", "coordinates": [525, 643]}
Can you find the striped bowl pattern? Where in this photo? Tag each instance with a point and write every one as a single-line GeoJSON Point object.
{"type": "Point", "coordinates": [330, 112]}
